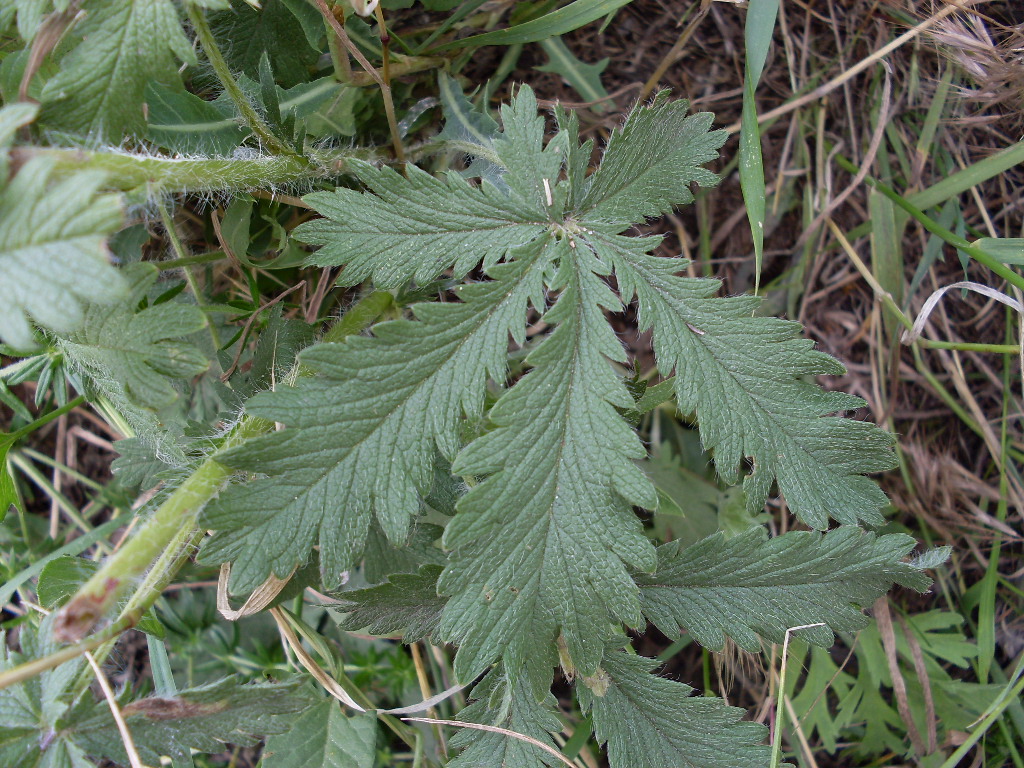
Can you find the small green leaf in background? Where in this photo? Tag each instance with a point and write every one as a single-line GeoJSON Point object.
{"type": "Point", "coordinates": [205, 718]}
{"type": "Point", "coordinates": [584, 78]}
{"type": "Point", "coordinates": [758, 34]}
{"type": "Point", "coordinates": [183, 122]}
{"type": "Point", "coordinates": [324, 737]}
{"type": "Point", "coordinates": [469, 126]}
{"type": "Point", "coordinates": [1009, 250]}
{"type": "Point", "coordinates": [139, 353]}
{"type": "Point", "coordinates": [565, 19]}
{"type": "Point", "coordinates": [8, 491]}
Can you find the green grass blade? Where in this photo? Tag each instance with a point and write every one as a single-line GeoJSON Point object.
{"type": "Point", "coordinates": [971, 176]}
{"type": "Point", "coordinates": [572, 16]}
{"type": "Point", "coordinates": [758, 32]}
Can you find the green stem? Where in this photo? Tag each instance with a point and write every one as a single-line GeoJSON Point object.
{"type": "Point", "coordinates": [982, 257]}
{"type": "Point", "coordinates": [145, 177]}
{"type": "Point", "coordinates": [173, 519]}
{"type": "Point", "coordinates": [234, 91]}
{"type": "Point", "coordinates": [1005, 699]}
{"type": "Point", "coordinates": [42, 421]}
{"type": "Point", "coordinates": [30, 669]}
{"type": "Point", "coordinates": [157, 546]}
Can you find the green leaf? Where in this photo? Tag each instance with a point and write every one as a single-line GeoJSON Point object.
{"type": "Point", "coordinates": [542, 545]}
{"type": "Point", "coordinates": [408, 604]}
{"type": "Point", "coordinates": [584, 78]}
{"type": "Point", "coordinates": [245, 34]}
{"type": "Point", "coordinates": [53, 257]}
{"type": "Point", "coordinates": [650, 722]}
{"type": "Point", "coordinates": [140, 353]}
{"type": "Point", "coordinates": [743, 377]}
{"type": "Point", "coordinates": [183, 122]}
{"type": "Point", "coordinates": [362, 435]}
{"type": "Point", "coordinates": [508, 704]}
{"type": "Point", "coordinates": [204, 718]}
{"type": "Point", "coordinates": [573, 16]}
{"type": "Point", "coordinates": [323, 737]}
{"type": "Point", "coordinates": [470, 127]}
{"type": "Point", "coordinates": [650, 162]}
{"type": "Point", "coordinates": [13, 117]}
{"type": "Point", "coordinates": [124, 44]}
{"type": "Point", "coordinates": [758, 29]}
{"type": "Point", "coordinates": [393, 233]}
{"type": "Point", "coordinates": [8, 491]}
{"type": "Point", "coordinates": [751, 586]}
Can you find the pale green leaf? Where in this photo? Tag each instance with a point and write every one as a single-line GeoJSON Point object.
{"type": "Point", "coordinates": [324, 737]}
{"type": "Point", "coordinates": [650, 162]}
{"type": "Point", "coordinates": [124, 44]}
{"type": "Point", "coordinates": [53, 256]}
{"type": "Point", "coordinates": [650, 722]}
{"type": "Point", "coordinates": [361, 436]}
{"type": "Point", "coordinates": [751, 586]}
{"type": "Point", "coordinates": [138, 354]}
{"type": "Point", "coordinates": [542, 545]}
{"type": "Point", "coordinates": [744, 378]}
{"type": "Point", "coordinates": [470, 128]}
{"type": "Point", "coordinates": [408, 605]}
{"type": "Point", "coordinates": [507, 704]}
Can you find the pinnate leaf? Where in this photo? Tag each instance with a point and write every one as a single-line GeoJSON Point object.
{"type": "Point", "coordinates": [203, 718]}
{"type": "Point", "coordinates": [395, 232]}
{"type": "Point", "coordinates": [506, 703]}
{"type": "Point", "coordinates": [745, 379]}
{"type": "Point", "coordinates": [364, 433]}
{"type": "Point", "coordinates": [650, 162]}
{"type": "Point", "coordinates": [139, 353]}
{"type": "Point", "coordinates": [543, 544]}
{"type": "Point", "coordinates": [751, 586]}
{"type": "Point", "coordinates": [408, 604]}
{"type": "Point", "coordinates": [651, 722]}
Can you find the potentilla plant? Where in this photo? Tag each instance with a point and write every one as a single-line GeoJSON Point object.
{"type": "Point", "coordinates": [512, 499]}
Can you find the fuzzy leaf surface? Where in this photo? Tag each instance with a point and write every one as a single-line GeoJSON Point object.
{"type": "Point", "coordinates": [204, 718]}
{"type": "Point", "coordinates": [408, 604]}
{"type": "Point", "coordinates": [508, 704]}
{"type": "Point", "coordinates": [324, 737]}
{"type": "Point", "coordinates": [751, 586]}
{"type": "Point", "coordinates": [124, 44]}
{"type": "Point", "coordinates": [651, 722]}
{"type": "Point", "coordinates": [543, 544]}
{"type": "Point", "coordinates": [743, 377]}
{"type": "Point", "coordinates": [395, 232]}
{"type": "Point", "coordinates": [414, 228]}
{"type": "Point", "coordinates": [139, 353]}
{"type": "Point", "coordinates": [53, 254]}
{"type": "Point", "coordinates": [363, 434]}
{"type": "Point", "coordinates": [650, 163]}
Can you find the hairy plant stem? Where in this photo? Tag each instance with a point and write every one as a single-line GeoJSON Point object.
{"type": "Point", "coordinates": [143, 178]}
{"type": "Point", "coordinates": [161, 545]}
{"type": "Point", "coordinates": [173, 521]}
{"type": "Point", "coordinates": [266, 135]}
